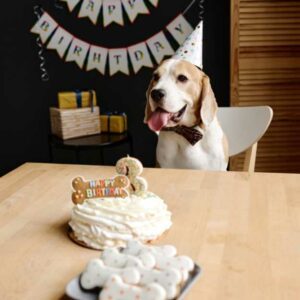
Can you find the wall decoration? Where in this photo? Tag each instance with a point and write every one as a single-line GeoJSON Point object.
{"type": "Point", "coordinates": [112, 10]}
{"type": "Point", "coordinates": [44, 73]}
{"type": "Point", "coordinates": [90, 57]}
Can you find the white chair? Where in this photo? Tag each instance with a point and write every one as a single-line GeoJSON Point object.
{"type": "Point", "coordinates": [244, 127]}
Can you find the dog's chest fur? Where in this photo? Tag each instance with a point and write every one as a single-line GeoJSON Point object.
{"type": "Point", "coordinates": [174, 151]}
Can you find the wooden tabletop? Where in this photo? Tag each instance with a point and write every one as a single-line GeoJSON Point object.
{"type": "Point", "coordinates": [242, 229]}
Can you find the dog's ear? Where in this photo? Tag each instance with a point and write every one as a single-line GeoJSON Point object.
{"type": "Point", "coordinates": [147, 108]}
{"type": "Point", "coordinates": [208, 102]}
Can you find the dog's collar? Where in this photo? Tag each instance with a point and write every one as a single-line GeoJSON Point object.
{"type": "Point", "coordinates": [191, 134]}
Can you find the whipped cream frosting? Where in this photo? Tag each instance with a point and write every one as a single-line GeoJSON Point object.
{"type": "Point", "coordinates": [111, 222]}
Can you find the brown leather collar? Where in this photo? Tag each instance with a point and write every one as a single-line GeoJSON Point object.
{"type": "Point", "coordinates": [191, 134]}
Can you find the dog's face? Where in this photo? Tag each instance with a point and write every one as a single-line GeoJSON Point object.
{"type": "Point", "coordinates": [179, 94]}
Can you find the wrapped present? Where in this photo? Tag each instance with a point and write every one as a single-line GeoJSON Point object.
{"type": "Point", "coordinates": [77, 99]}
{"type": "Point", "coordinates": [113, 122]}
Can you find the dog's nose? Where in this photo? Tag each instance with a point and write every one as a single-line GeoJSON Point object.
{"type": "Point", "coordinates": [158, 94]}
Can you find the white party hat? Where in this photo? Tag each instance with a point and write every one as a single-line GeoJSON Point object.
{"type": "Point", "coordinates": [191, 50]}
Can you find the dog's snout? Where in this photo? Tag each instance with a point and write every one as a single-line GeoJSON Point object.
{"type": "Point", "coordinates": [158, 94]}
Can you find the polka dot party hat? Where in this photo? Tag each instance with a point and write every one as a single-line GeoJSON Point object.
{"type": "Point", "coordinates": [191, 50]}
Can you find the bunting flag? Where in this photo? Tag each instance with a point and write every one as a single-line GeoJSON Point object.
{"type": "Point", "coordinates": [97, 59]}
{"type": "Point", "coordinates": [78, 51]}
{"type": "Point", "coordinates": [92, 57]}
{"type": "Point", "coordinates": [180, 29]}
{"type": "Point", "coordinates": [90, 9]}
{"type": "Point", "coordinates": [111, 9]}
{"type": "Point", "coordinates": [60, 41]}
{"type": "Point", "coordinates": [44, 27]}
{"type": "Point", "coordinates": [160, 46]}
{"type": "Point", "coordinates": [71, 3]}
{"type": "Point", "coordinates": [139, 56]}
{"type": "Point", "coordinates": [134, 7]}
{"type": "Point", "coordinates": [112, 12]}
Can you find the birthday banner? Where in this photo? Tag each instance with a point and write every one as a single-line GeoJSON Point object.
{"type": "Point", "coordinates": [111, 9]}
{"type": "Point", "coordinates": [91, 57]}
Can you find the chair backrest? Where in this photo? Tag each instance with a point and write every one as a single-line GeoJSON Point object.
{"type": "Point", "coordinates": [244, 126]}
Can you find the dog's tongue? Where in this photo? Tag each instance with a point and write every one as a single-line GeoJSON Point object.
{"type": "Point", "coordinates": [158, 120]}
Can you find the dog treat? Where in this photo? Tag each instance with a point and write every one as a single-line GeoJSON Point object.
{"type": "Point", "coordinates": [135, 247]}
{"type": "Point", "coordinates": [182, 263]}
{"type": "Point", "coordinates": [116, 289]}
{"type": "Point", "coordinates": [169, 279]}
{"type": "Point", "coordinates": [114, 258]}
{"type": "Point", "coordinates": [132, 168]}
{"type": "Point", "coordinates": [112, 187]}
{"type": "Point", "coordinates": [96, 274]}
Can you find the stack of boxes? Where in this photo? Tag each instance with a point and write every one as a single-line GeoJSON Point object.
{"type": "Point", "coordinates": [78, 115]}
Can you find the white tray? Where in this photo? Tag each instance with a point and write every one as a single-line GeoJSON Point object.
{"type": "Point", "coordinates": [74, 291]}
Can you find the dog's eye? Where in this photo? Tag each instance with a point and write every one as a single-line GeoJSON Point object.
{"type": "Point", "coordinates": [182, 78]}
{"type": "Point", "coordinates": [155, 77]}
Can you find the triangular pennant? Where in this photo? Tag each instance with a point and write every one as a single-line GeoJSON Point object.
{"type": "Point", "coordinates": [139, 56]}
{"type": "Point", "coordinates": [160, 46]}
{"type": "Point", "coordinates": [78, 51]}
{"type": "Point", "coordinates": [118, 61]}
{"type": "Point", "coordinates": [97, 59]}
{"type": "Point", "coordinates": [154, 2]}
{"type": "Point", "coordinates": [71, 3]}
{"type": "Point", "coordinates": [44, 27]}
{"type": "Point", "coordinates": [112, 12]}
{"type": "Point", "coordinates": [60, 41]}
{"type": "Point", "coordinates": [90, 9]}
{"type": "Point", "coordinates": [180, 29]}
{"type": "Point", "coordinates": [134, 7]}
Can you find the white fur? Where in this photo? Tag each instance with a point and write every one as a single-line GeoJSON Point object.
{"type": "Point", "coordinates": [173, 150]}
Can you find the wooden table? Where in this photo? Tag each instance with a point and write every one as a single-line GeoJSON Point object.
{"type": "Point", "coordinates": [244, 230]}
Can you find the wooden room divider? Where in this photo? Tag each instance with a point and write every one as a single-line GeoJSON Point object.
{"type": "Point", "coordinates": [265, 70]}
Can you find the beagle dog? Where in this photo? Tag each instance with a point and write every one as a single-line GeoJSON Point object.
{"type": "Point", "coordinates": [182, 109]}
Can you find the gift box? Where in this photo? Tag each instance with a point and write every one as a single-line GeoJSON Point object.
{"type": "Point", "coordinates": [71, 123]}
{"type": "Point", "coordinates": [114, 122]}
{"type": "Point", "coordinates": [77, 99]}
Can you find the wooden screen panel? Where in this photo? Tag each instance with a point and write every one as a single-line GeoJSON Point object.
{"type": "Point", "coordinates": [265, 70]}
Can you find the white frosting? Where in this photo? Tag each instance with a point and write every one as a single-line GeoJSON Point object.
{"type": "Point", "coordinates": [111, 222]}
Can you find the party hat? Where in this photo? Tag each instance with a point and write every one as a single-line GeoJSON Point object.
{"type": "Point", "coordinates": [191, 50]}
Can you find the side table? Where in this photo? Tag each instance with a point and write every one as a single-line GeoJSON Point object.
{"type": "Point", "coordinates": [100, 141]}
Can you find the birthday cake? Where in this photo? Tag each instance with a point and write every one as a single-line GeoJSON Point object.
{"type": "Point", "coordinates": [111, 212]}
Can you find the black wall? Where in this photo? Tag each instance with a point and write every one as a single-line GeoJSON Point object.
{"type": "Point", "coordinates": [25, 99]}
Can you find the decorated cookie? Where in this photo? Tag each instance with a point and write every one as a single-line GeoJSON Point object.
{"type": "Point", "coordinates": [132, 168]}
{"type": "Point", "coordinates": [101, 188]}
{"type": "Point", "coordinates": [135, 247]}
{"type": "Point", "coordinates": [113, 258]}
{"type": "Point", "coordinates": [169, 279]}
{"type": "Point", "coordinates": [96, 274]}
{"type": "Point", "coordinates": [116, 289]}
{"type": "Point", "coordinates": [182, 263]}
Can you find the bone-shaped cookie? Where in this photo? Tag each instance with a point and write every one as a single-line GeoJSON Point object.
{"type": "Point", "coordinates": [132, 168]}
{"type": "Point", "coordinates": [168, 279]}
{"type": "Point", "coordinates": [114, 258]}
{"type": "Point", "coordinates": [96, 274]}
{"type": "Point", "coordinates": [112, 187]}
{"type": "Point", "coordinates": [135, 247]}
{"type": "Point", "coordinates": [182, 263]}
{"type": "Point", "coordinates": [116, 289]}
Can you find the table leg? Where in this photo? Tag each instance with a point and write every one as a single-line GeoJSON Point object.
{"type": "Point", "coordinates": [130, 145]}
{"type": "Point", "coordinates": [50, 150]}
{"type": "Point", "coordinates": [101, 156]}
{"type": "Point", "coordinates": [77, 155]}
